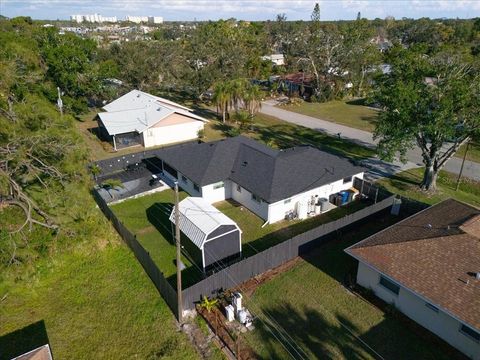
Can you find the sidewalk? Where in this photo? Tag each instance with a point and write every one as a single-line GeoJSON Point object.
{"type": "Point", "coordinates": [378, 167]}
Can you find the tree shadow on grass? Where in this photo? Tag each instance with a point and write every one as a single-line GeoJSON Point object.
{"type": "Point", "coordinates": [310, 335]}
{"type": "Point", "coordinates": [405, 183]}
{"type": "Point", "coordinates": [359, 101]}
{"type": "Point", "coordinates": [223, 127]}
{"type": "Point", "coordinates": [23, 340]}
{"type": "Point", "coordinates": [331, 335]}
{"type": "Point", "coordinates": [203, 111]}
{"type": "Point", "coordinates": [285, 136]}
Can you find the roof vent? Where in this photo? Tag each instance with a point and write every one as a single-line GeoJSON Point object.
{"type": "Point", "coordinates": [138, 95]}
{"type": "Point", "coordinates": [477, 275]}
{"type": "Point", "coordinates": [428, 226]}
{"type": "Point", "coordinates": [245, 163]}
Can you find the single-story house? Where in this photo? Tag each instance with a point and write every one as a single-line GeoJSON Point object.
{"type": "Point", "coordinates": [211, 238]}
{"type": "Point", "coordinates": [271, 183]}
{"type": "Point", "coordinates": [428, 267]}
{"type": "Point", "coordinates": [138, 118]}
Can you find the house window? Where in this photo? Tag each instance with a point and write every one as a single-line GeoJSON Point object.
{"type": "Point", "coordinates": [196, 187]}
{"type": "Point", "coordinates": [256, 198]}
{"type": "Point", "coordinates": [389, 285]}
{"type": "Point", "coordinates": [287, 201]}
{"type": "Point", "coordinates": [347, 179]}
{"type": "Point", "coordinates": [239, 188]}
{"type": "Point", "coordinates": [431, 307]}
{"type": "Point", "coordinates": [218, 185]}
{"type": "Point", "coordinates": [184, 179]}
{"type": "Point", "coordinates": [468, 331]}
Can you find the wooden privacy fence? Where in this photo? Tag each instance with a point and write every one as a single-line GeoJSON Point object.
{"type": "Point", "coordinates": [237, 273]}
{"type": "Point", "coordinates": [274, 256]}
{"type": "Point", "coordinates": [142, 255]}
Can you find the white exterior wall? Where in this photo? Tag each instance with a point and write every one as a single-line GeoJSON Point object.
{"type": "Point", "coordinates": [277, 211]}
{"type": "Point", "coordinates": [188, 186]}
{"type": "Point", "coordinates": [215, 195]}
{"type": "Point", "coordinates": [441, 323]}
{"type": "Point", "coordinates": [171, 134]}
{"type": "Point", "coordinates": [244, 197]}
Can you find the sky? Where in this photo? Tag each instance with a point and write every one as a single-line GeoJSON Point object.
{"type": "Point", "coordinates": [188, 10]}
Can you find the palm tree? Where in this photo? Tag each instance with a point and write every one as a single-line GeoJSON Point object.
{"type": "Point", "coordinates": [222, 98]}
{"type": "Point", "coordinates": [253, 99]}
{"type": "Point", "coordinates": [238, 89]}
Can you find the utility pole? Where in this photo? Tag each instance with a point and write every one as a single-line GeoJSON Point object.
{"type": "Point", "coordinates": [461, 168]}
{"type": "Point", "coordinates": [179, 270]}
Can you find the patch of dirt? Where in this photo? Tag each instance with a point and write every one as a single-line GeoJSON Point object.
{"type": "Point", "coordinates": [146, 230]}
{"type": "Point", "coordinates": [230, 343]}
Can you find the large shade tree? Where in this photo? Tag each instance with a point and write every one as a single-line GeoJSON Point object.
{"type": "Point", "coordinates": [432, 102]}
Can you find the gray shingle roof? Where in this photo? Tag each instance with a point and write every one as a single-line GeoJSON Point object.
{"type": "Point", "coordinates": [271, 174]}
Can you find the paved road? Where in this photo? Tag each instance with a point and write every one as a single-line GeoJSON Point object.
{"type": "Point", "coordinates": [378, 168]}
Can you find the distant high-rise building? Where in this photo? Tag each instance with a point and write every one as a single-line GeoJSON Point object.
{"type": "Point", "coordinates": [93, 18]}
{"type": "Point", "coordinates": [155, 19]}
{"type": "Point", "coordinates": [136, 19]}
{"type": "Point", "coordinates": [144, 19]}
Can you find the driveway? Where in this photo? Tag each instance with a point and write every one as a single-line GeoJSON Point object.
{"type": "Point", "coordinates": [378, 168]}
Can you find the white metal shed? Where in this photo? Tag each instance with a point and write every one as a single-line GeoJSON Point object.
{"type": "Point", "coordinates": [213, 238]}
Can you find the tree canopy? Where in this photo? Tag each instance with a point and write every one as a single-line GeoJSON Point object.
{"type": "Point", "coordinates": [429, 101]}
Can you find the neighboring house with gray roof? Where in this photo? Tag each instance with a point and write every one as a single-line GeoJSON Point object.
{"type": "Point", "coordinates": [269, 182]}
{"type": "Point", "coordinates": [428, 266]}
{"type": "Point", "coordinates": [138, 118]}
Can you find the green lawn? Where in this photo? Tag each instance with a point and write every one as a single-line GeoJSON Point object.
{"type": "Point", "coordinates": [473, 152]}
{"type": "Point", "coordinates": [406, 184]}
{"type": "Point", "coordinates": [270, 130]}
{"type": "Point", "coordinates": [348, 113]}
{"type": "Point", "coordinates": [281, 134]}
{"type": "Point", "coordinates": [256, 239]}
{"type": "Point", "coordinates": [148, 218]}
{"type": "Point", "coordinates": [94, 303]}
{"type": "Point", "coordinates": [311, 305]}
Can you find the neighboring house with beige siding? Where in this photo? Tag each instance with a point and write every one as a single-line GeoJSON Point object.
{"type": "Point", "coordinates": [138, 118]}
{"type": "Point", "coordinates": [428, 267]}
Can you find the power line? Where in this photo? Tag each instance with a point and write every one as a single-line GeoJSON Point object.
{"type": "Point", "coordinates": [326, 311]}
{"type": "Point", "coordinates": [272, 323]}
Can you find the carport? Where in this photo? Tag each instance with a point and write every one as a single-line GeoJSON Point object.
{"type": "Point", "coordinates": [209, 237]}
